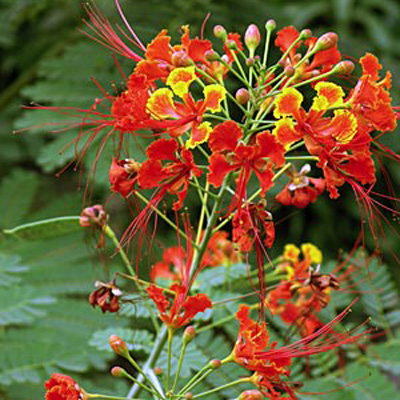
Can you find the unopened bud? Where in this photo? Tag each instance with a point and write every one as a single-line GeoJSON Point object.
{"type": "Point", "coordinates": [94, 215]}
{"type": "Point", "coordinates": [242, 96]}
{"type": "Point", "coordinates": [250, 61]}
{"type": "Point", "coordinates": [158, 370]}
{"type": "Point", "coordinates": [212, 55]}
{"type": "Point", "coordinates": [270, 25]}
{"type": "Point", "coordinates": [220, 32]}
{"type": "Point", "coordinates": [118, 372]}
{"type": "Point", "coordinates": [231, 44]}
{"type": "Point", "coordinates": [119, 346]}
{"type": "Point", "coordinates": [289, 71]}
{"type": "Point", "coordinates": [180, 59]}
{"type": "Point", "coordinates": [253, 394]}
{"type": "Point", "coordinates": [188, 396]}
{"type": "Point", "coordinates": [215, 364]}
{"type": "Point", "coordinates": [189, 334]}
{"type": "Point", "coordinates": [252, 37]}
{"type": "Point", "coordinates": [281, 63]}
{"type": "Point", "coordinates": [305, 34]}
{"type": "Point", "coordinates": [343, 68]}
{"type": "Point", "coordinates": [326, 41]}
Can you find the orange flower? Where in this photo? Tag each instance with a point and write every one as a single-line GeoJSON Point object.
{"type": "Point", "coordinates": [183, 309]}
{"type": "Point", "coordinates": [63, 387]}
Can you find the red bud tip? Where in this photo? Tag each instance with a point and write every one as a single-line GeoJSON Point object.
{"type": "Point", "coordinates": [252, 37]}
{"type": "Point", "coordinates": [220, 32]}
{"type": "Point", "coordinates": [270, 25]}
{"type": "Point", "coordinates": [158, 370]}
{"type": "Point", "coordinates": [215, 364]}
{"type": "Point", "coordinates": [242, 96]}
{"type": "Point", "coordinates": [344, 68]}
{"type": "Point", "coordinates": [281, 63]}
{"type": "Point", "coordinates": [118, 372]}
{"type": "Point", "coordinates": [326, 41]}
{"type": "Point", "coordinates": [289, 71]}
{"type": "Point", "coordinates": [189, 334]}
{"type": "Point", "coordinates": [188, 396]}
{"type": "Point", "coordinates": [305, 34]}
{"type": "Point", "coordinates": [212, 55]}
{"type": "Point", "coordinates": [119, 346]}
{"type": "Point", "coordinates": [253, 394]}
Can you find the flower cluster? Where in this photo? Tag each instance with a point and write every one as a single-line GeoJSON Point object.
{"type": "Point", "coordinates": [177, 100]}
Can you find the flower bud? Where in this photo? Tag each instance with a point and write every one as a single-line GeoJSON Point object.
{"type": "Point", "coordinates": [220, 32]}
{"type": "Point", "coordinates": [281, 63]}
{"type": "Point", "coordinates": [270, 25]}
{"type": "Point", "coordinates": [253, 394]}
{"type": "Point", "coordinates": [94, 215]}
{"type": "Point", "coordinates": [252, 37]}
{"type": "Point", "coordinates": [119, 346]}
{"type": "Point", "coordinates": [189, 334]}
{"type": "Point", "coordinates": [188, 396]}
{"type": "Point", "coordinates": [118, 372]}
{"type": "Point", "coordinates": [214, 364]}
{"type": "Point", "coordinates": [158, 370]}
{"type": "Point", "coordinates": [212, 55]}
{"type": "Point", "coordinates": [305, 34]}
{"type": "Point", "coordinates": [289, 71]}
{"type": "Point", "coordinates": [250, 61]}
{"type": "Point", "coordinates": [343, 68]}
{"type": "Point", "coordinates": [231, 44]}
{"type": "Point", "coordinates": [326, 41]}
{"type": "Point", "coordinates": [180, 59]}
{"type": "Point", "coordinates": [242, 96]}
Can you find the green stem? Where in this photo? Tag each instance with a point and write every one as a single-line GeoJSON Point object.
{"type": "Point", "coordinates": [222, 387]}
{"type": "Point", "coordinates": [178, 371]}
{"type": "Point", "coordinates": [111, 235]}
{"type": "Point", "coordinates": [195, 379]}
{"type": "Point", "coordinates": [170, 336]}
{"type": "Point", "coordinates": [152, 360]}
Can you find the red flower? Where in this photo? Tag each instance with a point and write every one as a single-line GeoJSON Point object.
{"type": "Point", "coordinates": [168, 168]}
{"type": "Point", "coordinates": [171, 265]}
{"type": "Point", "coordinates": [370, 99]}
{"type": "Point", "coordinates": [220, 251]}
{"type": "Point", "coordinates": [123, 176]}
{"type": "Point", "coordinates": [272, 364]}
{"type": "Point", "coordinates": [63, 387]}
{"type": "Point", "coordinates": [229, 155]}
{"type": "Point", "coordinates": [183, 309]}
{"type": "Point", "coordinates": [301, 190]}
{"type": "Point", "coordinates": [253, 224]}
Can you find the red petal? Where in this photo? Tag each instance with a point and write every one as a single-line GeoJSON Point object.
{"type": "Point", "coordinates": [269, 147]}
{"type": "Point", "coordinates": [157, 295]}
{"type": "Point", "coordinates": [225, 136]}
{"type": "Point", "coordinates": [219, 168]}
{"type": "Point", "coordinates": [162, 149]}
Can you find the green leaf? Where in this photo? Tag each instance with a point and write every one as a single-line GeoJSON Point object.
{"type": "Point", "coordinates": [45, 229]}
{"type": "Point", "coordinates": [19, 305]}
{"type": "Point", "coordinates": [385, 356]}
{"type": "Point", "coordinates": [138, 339]}
{"type": "Point", "coordinates": [16, 195]}
{"type": "Point", "coordinates": [10, 266]}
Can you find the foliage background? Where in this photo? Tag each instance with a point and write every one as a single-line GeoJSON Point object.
{"type": "Point", "coordinates": [45, 59]}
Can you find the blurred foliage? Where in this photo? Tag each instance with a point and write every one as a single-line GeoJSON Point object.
{"type": "Point", "coordinates": [44, 284]}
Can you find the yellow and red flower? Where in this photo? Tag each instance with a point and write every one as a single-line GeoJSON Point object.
{"type": "Point", "coordinates": [176, 117]}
